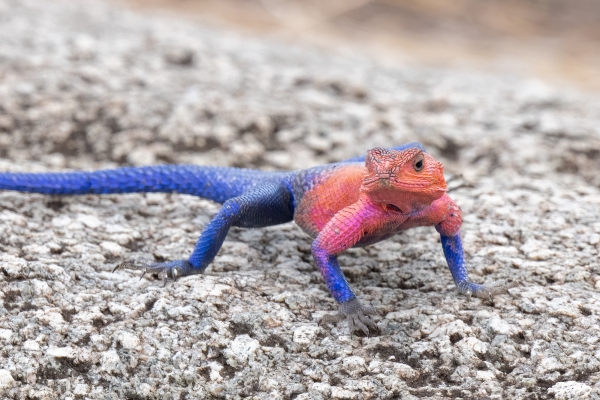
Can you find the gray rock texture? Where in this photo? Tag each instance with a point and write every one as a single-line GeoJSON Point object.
{"type": "Point", "coordinates": [87, 85]}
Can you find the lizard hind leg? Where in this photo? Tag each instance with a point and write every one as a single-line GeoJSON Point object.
{"type": "Point", "coordinates": [264, 205]}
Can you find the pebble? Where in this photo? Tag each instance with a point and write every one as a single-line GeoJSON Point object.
{"type": "Point", "coordinates": [242, 349]}
{"type": "Point", "coordinates": [570, 390]}
{"type": "Point", "coordinates": [61, 352]}
{"type": "Point", "coordinates": [6, 379]}
{"type": "Point", "coordinates": [305, 335]}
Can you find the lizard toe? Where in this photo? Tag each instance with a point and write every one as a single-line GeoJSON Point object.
{"type": "Point", "coordinates": [359, 322]}
{"type": "Point", "coordinates": [164, 270]}
{"type": "Point", "coordinates": [486, 292]}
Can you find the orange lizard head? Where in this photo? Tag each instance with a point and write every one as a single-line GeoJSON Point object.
{"type": "Point", "coordinates": [403, 181]}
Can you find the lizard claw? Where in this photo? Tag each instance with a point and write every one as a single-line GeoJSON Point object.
{"type": "Point", "coordinates": [357, 317]}
{"type": "Point", "coordinates": [175, 274]}
{"type": "Point", "coordinates": [164, 270]}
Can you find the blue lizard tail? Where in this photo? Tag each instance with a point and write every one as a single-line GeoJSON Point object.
{"type": "Point", "coordinates": [215, 183]}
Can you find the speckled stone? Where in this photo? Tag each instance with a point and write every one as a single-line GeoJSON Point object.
{"type": "Point", "coordinates": [87, 85]}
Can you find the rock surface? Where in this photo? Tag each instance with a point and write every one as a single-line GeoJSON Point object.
{"type": "Point", "coordinates": [86, 85]}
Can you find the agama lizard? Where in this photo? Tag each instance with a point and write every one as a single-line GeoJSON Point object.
{"type": "Point", "coordinates": [355, 202]}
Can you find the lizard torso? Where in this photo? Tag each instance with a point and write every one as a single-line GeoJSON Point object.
{"type": "Point", "coordinates": [322, 192]}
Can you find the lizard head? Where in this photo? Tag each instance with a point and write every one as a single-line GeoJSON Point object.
{"type": "Point", "coordinates": [402, 181]}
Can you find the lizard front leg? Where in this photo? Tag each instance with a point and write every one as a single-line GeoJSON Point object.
{"type": "Point", "coordinates": [449, 230]}
{"type": "Point", "coordinates": [454, 253]}
{"type": "Point", "coordinates": [350, 306]}
{"type": "Point", "coordinates": [343, 231]}
{"type": "Point", "coordinates": [265, 205]}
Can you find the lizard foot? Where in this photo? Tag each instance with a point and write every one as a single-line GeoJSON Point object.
{"type": "Point", "coordinates": [357, 317]}
{"type": "Point", "coordinates": [164, 270]}
{"type": "Point", "coordinates": [486, 292]}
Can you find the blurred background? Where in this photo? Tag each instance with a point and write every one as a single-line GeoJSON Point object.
{"type": "Point", "coordinates": [554, 40]}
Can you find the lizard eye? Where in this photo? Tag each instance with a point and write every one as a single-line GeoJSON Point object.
{"type": "Point", "coordinates": [418, 164]}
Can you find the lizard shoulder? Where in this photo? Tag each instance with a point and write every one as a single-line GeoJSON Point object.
{"type": "Point", "coordinates": [323, 191]}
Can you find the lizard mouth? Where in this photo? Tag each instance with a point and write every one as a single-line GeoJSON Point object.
{"type": "Point", "coordinates": [392, 208]}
